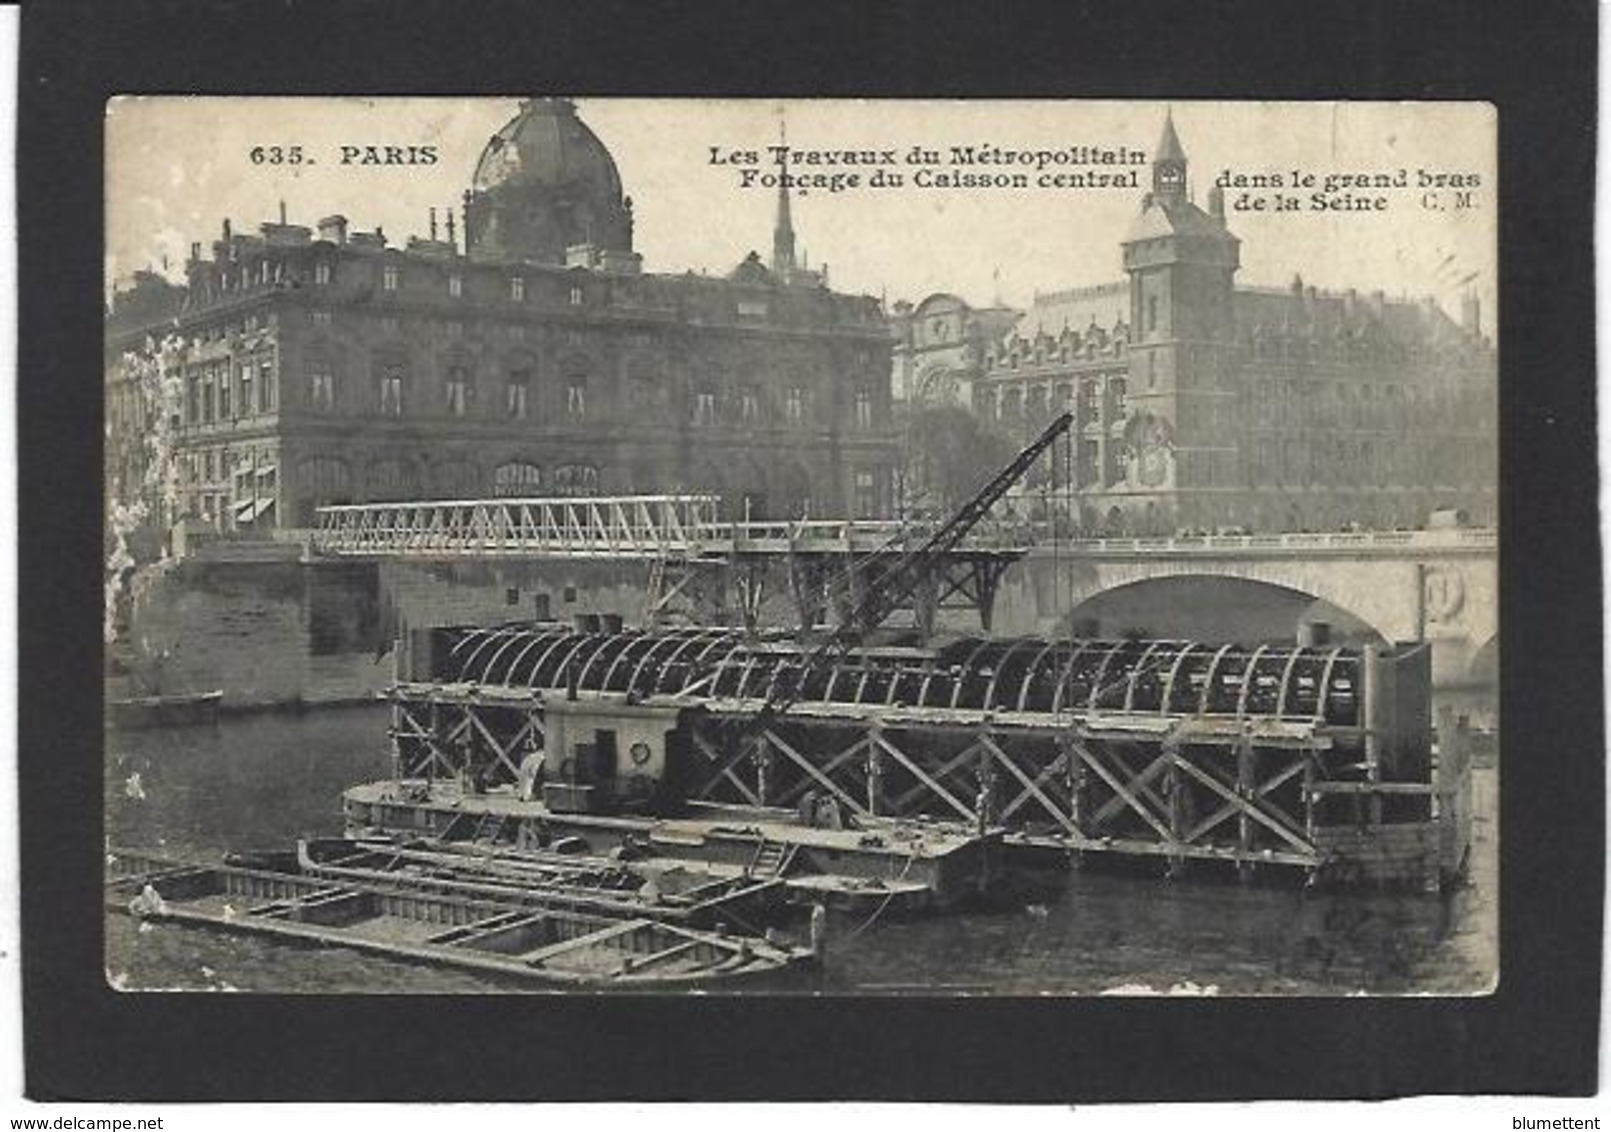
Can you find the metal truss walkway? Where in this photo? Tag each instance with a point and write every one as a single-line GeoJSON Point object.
{"type": "Point", "coordinates": [614, 527]}
{"type": "Point", "coordinates": [693, 555]}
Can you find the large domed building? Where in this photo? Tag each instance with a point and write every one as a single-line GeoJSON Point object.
{"type": "Point", "coordinates": [324, 364]}
{"type": "Point", "coordinates": [547, 190]}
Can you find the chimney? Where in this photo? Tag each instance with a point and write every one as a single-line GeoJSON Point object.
{"type": "Point", "coordinates": [334, 229]}
{"type": "Point", "coordinates": [451, 232]}
{"type": "Point", "coordinates": [1314, 634]}
{"type": "Point", "coordinates": [433, 223]}
{"type": "Point", "coordinates": [282, 213]}
{"type": "Point", "coordinates": [1216, 203]}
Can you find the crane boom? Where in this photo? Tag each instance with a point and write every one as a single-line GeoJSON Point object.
{"type": "Point", "coordinates": [890, 587]}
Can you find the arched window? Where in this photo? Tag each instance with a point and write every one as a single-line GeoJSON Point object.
{"type": "Point", "coordinates": [517, 478]}
{"type": "Point", "coordinates": [392, 480]}
{"type": "Point", "coordinates": [576, 479]}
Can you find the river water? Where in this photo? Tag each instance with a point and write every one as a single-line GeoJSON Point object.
{"type": "Point", "coordinates": [260, 781]}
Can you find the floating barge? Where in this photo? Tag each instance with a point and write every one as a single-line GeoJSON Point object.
{"type": "Point", "coordinates": [501, 937]}
{"type": "Point", "coordinates": [1312, 757]}
{"type": "Point", "coordinates": [900, 865]}
{"type": "Point", "coordinates": [187, 709]}
{"type": "Point", "coordinates": [673, 891]}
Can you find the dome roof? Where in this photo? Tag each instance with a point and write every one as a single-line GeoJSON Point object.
{"type": "Point", "coordinates": [547, 144]}
{"type": "Point", "coordinates": [544, 189]}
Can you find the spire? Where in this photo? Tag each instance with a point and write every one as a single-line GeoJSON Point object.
{"type": "Point", "coordinates": [783, 229]}
{"type": "Point", "coordinates": [1169, 163]}
{"type": "Point", "coordinates": [1169, 147]}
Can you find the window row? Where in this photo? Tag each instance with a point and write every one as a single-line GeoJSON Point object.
{"type": "Point", "coordinates": [1040, 403]}
{"type": "Point", "coordinates": [224, 391]}
{"type": "Point", "coordinates": [391, 280]}
{"type": "Point", "coordinates": [456, 396]}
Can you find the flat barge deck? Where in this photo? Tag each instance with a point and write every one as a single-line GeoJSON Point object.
{"type": "Point", "coordinates": [903, 864]}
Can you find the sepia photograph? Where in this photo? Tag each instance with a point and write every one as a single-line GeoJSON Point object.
{"type": "Point", "coordinates": [801, 547]}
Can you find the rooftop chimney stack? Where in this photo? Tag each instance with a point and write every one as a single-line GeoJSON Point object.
{"type": "Point", "coordinates": [334, 229]}
{"type": "Point", "coordinates": [433, 223]}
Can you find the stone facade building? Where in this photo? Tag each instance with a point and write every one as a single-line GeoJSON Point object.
{"type": "Point", "coordinates": [323, 365]}
{"type": "Point", "coordinates": [1202, 404]}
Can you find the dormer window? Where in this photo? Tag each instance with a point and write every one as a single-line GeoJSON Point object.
{"type": "Point", "coordinates": [517, 289]}
{"type": "Point", "coordinates": [576, 296]}
{"type": "Point", "coordinates": [390, 277]}
{"type": "Point", "coordinates": [321, 273]}
{"type": "Point", "coordinates": [456, 285]}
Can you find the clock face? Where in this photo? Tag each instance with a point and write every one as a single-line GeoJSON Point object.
{"type": "Point", "coordinates": [1154, 463]}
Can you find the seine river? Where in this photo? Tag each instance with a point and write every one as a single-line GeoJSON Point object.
{"type": "Point", "coordinates": [260, 781]}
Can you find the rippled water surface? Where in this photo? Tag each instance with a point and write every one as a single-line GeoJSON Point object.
{"type": "Point", "coordinates": [261, 781]}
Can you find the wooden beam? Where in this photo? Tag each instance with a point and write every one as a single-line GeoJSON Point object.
{"type": "Point", "coordinates": [724, 765]}
{"type": "Point", "coordinates": [1030, 788]}
{"type": "Point", "coordinates": [805, 764]}
{"type": "Point", "coordinates": [918, 772]}
{"type": "Point", "coordinates": [1119, 788]}
{"type": "Point", "coordinates": [1256, 814]}
{"type": "Point", "coordinates": [833, 764]}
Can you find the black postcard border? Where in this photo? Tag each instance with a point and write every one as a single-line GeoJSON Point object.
{"type": "Point", "coordinates": [1537, 1034]}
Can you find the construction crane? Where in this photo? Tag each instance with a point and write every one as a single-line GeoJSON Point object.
{"type": "Point", "coordinates": [890, 587]}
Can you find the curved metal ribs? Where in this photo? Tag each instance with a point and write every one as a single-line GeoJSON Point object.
{"type": "Point", "coordinates": [1026, 674]}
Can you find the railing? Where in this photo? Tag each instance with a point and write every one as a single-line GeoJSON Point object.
{"type": "Point", "coordinates": [660, 526]}
{"type": "Point", "coordinates": [633, 526]}
{"type": "Point", "coordinates": [628, 526]}
{"type": "Point", "coordinates": [1459, 538]}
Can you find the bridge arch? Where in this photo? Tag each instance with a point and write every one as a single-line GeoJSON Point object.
{"type": "Point", "coordinates": [1210, 606]}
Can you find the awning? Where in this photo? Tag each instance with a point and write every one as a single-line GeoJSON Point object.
{"type": "Point", "coordinates": [248, 510]}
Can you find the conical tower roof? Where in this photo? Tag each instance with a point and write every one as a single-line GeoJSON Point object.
{"type": "Point", "coordinates": [1169, 147]}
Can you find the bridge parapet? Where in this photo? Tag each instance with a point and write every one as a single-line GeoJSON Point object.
{"type": "Point", "coordinates": [1484, 541]}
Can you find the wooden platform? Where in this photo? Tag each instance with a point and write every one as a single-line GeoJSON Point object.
{"type": "Point", "coordinates": [932, 864]}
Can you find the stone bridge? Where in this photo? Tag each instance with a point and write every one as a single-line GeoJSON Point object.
{"type": "Point", "coordinates": [1435, 585]}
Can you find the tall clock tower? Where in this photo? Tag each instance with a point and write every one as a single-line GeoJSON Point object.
{"type": "Point", "coordinates": [1182, 264]}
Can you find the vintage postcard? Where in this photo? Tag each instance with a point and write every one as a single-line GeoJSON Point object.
{"type": "Point", "coordinates": [928, 547]}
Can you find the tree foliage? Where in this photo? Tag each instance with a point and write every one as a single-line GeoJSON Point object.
{"type": "Point", "coordinates": [949, 455]}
